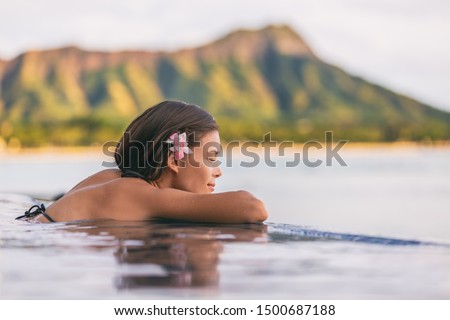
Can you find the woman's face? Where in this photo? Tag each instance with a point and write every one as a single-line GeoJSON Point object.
{"type": "Point", "coordinates": [198, 171]}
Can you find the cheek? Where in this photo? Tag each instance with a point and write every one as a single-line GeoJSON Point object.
{"type": "Point", "coordinates": [195, 179]}
{"type": "Point", "coordinates": [201, 178]}
{"type": "Point", "coordinates": [202, 174]}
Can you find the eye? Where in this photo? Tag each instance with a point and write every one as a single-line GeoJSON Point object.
{"type": "Point", "coordinates": [212, 159]}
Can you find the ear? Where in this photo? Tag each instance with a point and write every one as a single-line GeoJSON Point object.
{"type": "Point", "coordinates": [172, 164]}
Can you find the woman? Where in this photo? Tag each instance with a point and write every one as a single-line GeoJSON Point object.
{"type": "Point", "coordinates": [167, 168]}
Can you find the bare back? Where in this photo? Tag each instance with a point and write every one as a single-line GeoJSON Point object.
{"type": "Point", "coordinates": [104, 195]}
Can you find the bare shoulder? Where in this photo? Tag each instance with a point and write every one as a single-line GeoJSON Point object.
{"type": "Point", "coordinates": [106, 175]}
{"type": "Point", "coordinates": [127, 198]}
{"type": "Point", "coordinates": [98, 178]}
{"type": "Point", "coordinates": [104, 195]}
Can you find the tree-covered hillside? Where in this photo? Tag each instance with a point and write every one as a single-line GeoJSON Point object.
{"type": "Point", "coordinates": [253, 82]}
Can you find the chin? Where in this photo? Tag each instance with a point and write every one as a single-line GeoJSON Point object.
{"type": "Point", "coordinates": [204, 191]}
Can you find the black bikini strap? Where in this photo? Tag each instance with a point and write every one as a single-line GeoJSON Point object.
{"type": "Point", "coordinates": [133, 174]}
{"type": "Point", "coordinates": [30, 213]}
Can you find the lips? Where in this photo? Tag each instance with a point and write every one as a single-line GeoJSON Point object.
{"type": "Point", "coordinates": [211, 186]}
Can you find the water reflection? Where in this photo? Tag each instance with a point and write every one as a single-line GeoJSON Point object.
{"type": "Point", "coordinates": [161, 254]}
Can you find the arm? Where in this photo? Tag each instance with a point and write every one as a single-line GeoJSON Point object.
{"type": "Point", "coordinates": [227, 207]}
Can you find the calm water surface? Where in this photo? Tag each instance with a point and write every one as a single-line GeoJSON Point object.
{"type": "Point", "coordinates": [377, 228]}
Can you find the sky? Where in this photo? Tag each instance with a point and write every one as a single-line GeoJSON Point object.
{"type": "Point", "coordinates": [403, 45]}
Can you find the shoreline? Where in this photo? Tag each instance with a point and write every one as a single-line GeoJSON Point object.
{"type": "Point", "coordinates": [350, 146]}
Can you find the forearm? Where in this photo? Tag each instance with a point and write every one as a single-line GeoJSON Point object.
{"type": "Point", "coordinates": [226, 207]}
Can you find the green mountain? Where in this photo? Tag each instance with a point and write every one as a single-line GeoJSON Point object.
{"type": "Point", "coordinates": [252, 81]}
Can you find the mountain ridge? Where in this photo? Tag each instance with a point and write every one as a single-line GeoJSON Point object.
{"type": "Point", "coordinates": [278, 33]}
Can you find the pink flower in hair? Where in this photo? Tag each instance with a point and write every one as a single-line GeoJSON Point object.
{"type": "Point", "coordinates": [180, 145]}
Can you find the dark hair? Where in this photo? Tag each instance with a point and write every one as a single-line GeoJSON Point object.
{"type": "Point", "coordinates": [142, 147]}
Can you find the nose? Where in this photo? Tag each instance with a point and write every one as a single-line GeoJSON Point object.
{"type": "Point", "coordinates": [217, 172]}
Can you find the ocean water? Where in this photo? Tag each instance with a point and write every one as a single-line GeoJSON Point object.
{"type": "Point", "coordinates": [376, 228]}
{"type": "Point", "coordinates": [383, 191]}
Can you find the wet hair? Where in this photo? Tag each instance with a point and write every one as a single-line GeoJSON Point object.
{"type": "Point", "coordinates": [142, 147]}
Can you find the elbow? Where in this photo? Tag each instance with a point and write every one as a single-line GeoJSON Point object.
{"type": "Point", "coordinates": [256, 211]}
{"type": "Point", "coordinates": [260, 213]}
